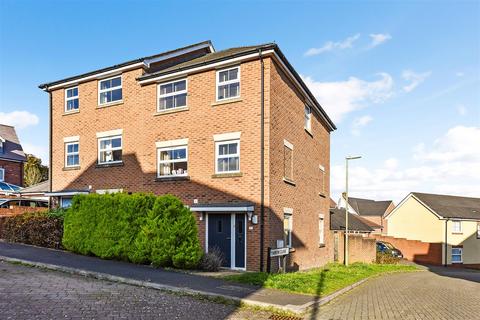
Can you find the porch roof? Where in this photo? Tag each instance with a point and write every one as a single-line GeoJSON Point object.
{"type": "Point", "coordinates": [223, 207]}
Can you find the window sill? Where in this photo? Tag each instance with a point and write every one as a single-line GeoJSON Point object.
{"type": "Point", "coordinates": [309, 131]}
{"type": "Point", "coordinates": [108, 165]}
{"type": "Point", "coordinates": [71, 168]}
{"type": "Point", "coordinates": [290, 182]}
{"type": "Point", "coordinates": [321, 194]}
{"type": "Point", "coordinates": [110, 104]}
{"type": "Point", "coordinates": [226, 101]}
{"type": "Point", "coordinates": [172, 178]}
{"type": "Point", "coordinates": [67, 113]}
{"type": "Point", "coordinates": [227, 175]}
{"type": "Point", "coordinates": [159, 113]}
{"type": "Point", "coordinates": [322, 245]}
{"type": "Point", "coordinates": [457, 233]}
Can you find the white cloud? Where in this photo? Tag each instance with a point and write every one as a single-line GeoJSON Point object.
{"type": "Point", "coordinates": [449, 165]}
{"type": "Point", "coordinates": [414, 78]}
{"type": "Point", "coordinates": [359, 123]}
{"type": "Point", "coordinates": [341, 97]}
{"type": "Point", "coordinates": [19, 119]}
{"type": "Point", "coordinates": [39, 151]}
{"type": "Point", "coordinates": [379, 38]}
{"type": "Point", "coordinates": [330, 45]}
{"type": "Point", "coordinates": [461, 109]}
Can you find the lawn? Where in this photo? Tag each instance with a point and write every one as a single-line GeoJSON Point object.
{"type": "Point", "coordinates": [320, 281]}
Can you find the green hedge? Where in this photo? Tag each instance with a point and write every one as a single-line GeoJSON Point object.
{"type": "Point", "coordinates": [39, 229]}
{"type": "Point", "coordinates": [141, 228]}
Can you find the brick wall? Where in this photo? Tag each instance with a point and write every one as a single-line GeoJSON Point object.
{"type": "Point", "coordinates": [13, 172]}
{"type": "Point", "coordinates": [414, 250]}
{"type": "Point", "coordinates": [15, 211]}
{"type": "Point", "coordinates": [360, 249]}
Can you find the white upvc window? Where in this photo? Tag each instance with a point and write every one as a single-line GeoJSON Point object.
{"type": "Point", "coordinates": [110, 90]}
{"type": "Point", "coordinates": [308, 118]}
{"type": "Point", "coordinates": [456, 226]}
{"type": "Point", "coordinates": [321, 229]}
{"type": "Point", "coordinates": [287, 160]}
{"type": "Point", "coordinates": [71, 99]}
{"type": "Point", "coordinates": [228, 83]}
{"type": "Point", "coordinates": [287, 226]}
{"type": "Point", "coordinates": [172, 161]}
{"type": "Point", "coordinates": [172, 95]}
{"type": "Point", "coordinates": [457, 255]}
{"type": "Point", "coordinates": [110, 150]}
{"type": "Point", "coordinates": [227, 156]}
{"type": "Point", "coordinates": [478, 230]}
{"type": "Point", "coordinates": [2, 174]}
{"type": "Point", "coordinates": [322, 180]}
{"type": "Point", "coordinates": [72, 155]}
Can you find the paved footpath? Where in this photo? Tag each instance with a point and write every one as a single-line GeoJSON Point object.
{"type": "Point", "coordinates": [440, 294]}
{"type": "Point", "coordinates": [33, 293]}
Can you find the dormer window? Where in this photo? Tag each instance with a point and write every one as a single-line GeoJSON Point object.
{"type": "Point", "coordinates": [1, 146]}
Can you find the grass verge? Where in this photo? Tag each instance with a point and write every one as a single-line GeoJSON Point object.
{"type": "Point", "coordinates": [322, 281]}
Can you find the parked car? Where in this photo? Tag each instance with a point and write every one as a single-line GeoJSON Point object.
{"type": "Point", "coordinates": [388, 248]}
{"type": "Point", "coordinates": [21, 202]}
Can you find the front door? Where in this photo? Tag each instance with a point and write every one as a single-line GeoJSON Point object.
{"type": "Point", "coordinates": [219, 236]}
{"type": "Point", "coordinates": [239, 240]}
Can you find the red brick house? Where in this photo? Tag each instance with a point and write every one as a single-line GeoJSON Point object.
{"type": "Point", "coordinates": [12, 156]}
{"type": "Point", "coordinates": [236, 134]}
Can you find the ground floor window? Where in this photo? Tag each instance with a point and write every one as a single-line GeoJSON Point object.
{"type": "Point", "coordinates": [321, 229]}
{"type": "Point", "coordinates": [287, 228]}
{"type": "Point", "coordinates": [65, 202]}
{"type": "Point", "coordinates": [457, 255]}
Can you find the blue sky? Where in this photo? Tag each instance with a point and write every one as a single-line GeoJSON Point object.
{"type": "Point", "coordinates": [400, 79]}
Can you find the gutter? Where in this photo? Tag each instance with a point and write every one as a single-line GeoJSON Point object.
{"type": "Point", "coordinates": [262, 160]}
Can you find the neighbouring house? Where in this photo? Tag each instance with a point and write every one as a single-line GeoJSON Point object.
{"type": "Point", "coordinates": [37, 191]}
{"type": "Point", "coordinates": [371, 211]}
{"type": "Point", "coordinates": [450, 221]}
{"type": "Point", "coordinates": [12, 156]}
{"type": "Point", "coordinates": [361, 248]}
{"type": "Point", "coordinates": [236, 134]}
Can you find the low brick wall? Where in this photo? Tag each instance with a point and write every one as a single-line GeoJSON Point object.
{"type": "Point", "coordinates": [14, 211]}
{"type": "Point", "coordinates": [414, 250]}
{"type": "Point", "coordinates": [360, 249]}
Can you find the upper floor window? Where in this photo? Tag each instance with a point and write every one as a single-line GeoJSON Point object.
{"type": "Point", "coordinates": [227, 156]}
{"type": "Point", "coordinates": [110, 90]}
{"type": "Point", "coordinates": [308, 118]}
{"type": "Point", "coordinates": [71, 99]}
{"type": "Point", "coordinates": [110, 150]}
{"type": "Point", "coordinates": [287, 160]}
{"type": "Point", "coordinates": [1, 145]}
{"type": "Point", "coordinates": [72, 157]}
{"type": "Point", "coordinates": [228, 83]}
{"type": "Point", "coordinates": [172, 161]}
{"type": "Point", "coordinates": [172, 95]}
{"type": "Point", "coordinates": [321, 229]}
{"type": "Point", "coordinates": [322, 180]}
{"type": "Point", "coordinates": [456, 226]}
{"type": "Point", "coordinates": [2, 174]}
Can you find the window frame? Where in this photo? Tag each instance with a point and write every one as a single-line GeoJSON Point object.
{"type": "Point", "coordinates": [72, 153]}
{"type": "Point", "coordinates": [159, 162]}
{"type": "Point", "coordinates": [172, 94]}
{"type": "Point", "coordinates": [287, 238]}
{"type": "Point", "coordinates": [72, 98]}
{"type": "Point", "coordinates": [218, 83]}
{"type": "Point", "coordinates": [454, 229]}
{"type": "Point", "coordinates": [456, 254]}
{"type": "Point", "coordinates": [321, 230]}
{"type": "Point", "coordinates": [307, 125]}
{"type": "Point", "coordinates": [322, 179]}
{"type": "Point", "coordinates": [2, 175]}
{"type": "Point", "coordinates": [112, 149]}
{"type": "Point", "coordinates": [218, 156]}
{"type": "Point", "coordinates": [100, 91]}
{"type": "Point", "coordinates": [289, 146]}
{"type": "Point", "coordinates": [2, 146]}
{"type": "Point", "coordinates": [478, 230]}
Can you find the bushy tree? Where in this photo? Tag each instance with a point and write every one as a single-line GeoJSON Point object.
{"type": "Point", "coordinates": [33, 171]}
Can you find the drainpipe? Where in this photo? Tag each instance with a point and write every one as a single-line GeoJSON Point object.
{"type": "Point", "coordinates": [446, 242]}
{"type": "Point", "coordinates": [50, 135]}
{"type": "Point", "coordinates": [262, 160]}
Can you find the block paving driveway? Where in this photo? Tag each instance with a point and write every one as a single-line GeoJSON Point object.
{"type": "Point", "coordinates": [32, 293]}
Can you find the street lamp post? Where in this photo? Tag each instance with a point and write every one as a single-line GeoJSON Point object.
{"type": "Point", "coordinates": [346, 206]}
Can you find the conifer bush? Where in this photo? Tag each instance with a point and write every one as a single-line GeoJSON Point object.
{"type": "Point", "coordinates": [141, 228]}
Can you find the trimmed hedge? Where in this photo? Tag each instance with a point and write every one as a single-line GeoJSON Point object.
{"type": "Point", "coordinates": [39, 229]}
{"type": "Point", "coordinates": [141, 228]}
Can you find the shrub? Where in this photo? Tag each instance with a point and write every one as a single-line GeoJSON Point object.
{"type": "Point", "coordinates": [386, 258]}
{"type": "Point", "coordinates": [38, 229]}
{"type": "Point", "coordinates": [140, 228]}
{"type": "Point", "coordinates": [211, 261]}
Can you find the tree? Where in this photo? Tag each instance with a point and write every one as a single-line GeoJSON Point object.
{"type": "Point", "coordinates": [33, 171]}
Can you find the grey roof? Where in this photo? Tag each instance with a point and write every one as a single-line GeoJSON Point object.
{"type": "Point", "coordinates": [41, 187]}
{"type": "Point", "coordinates": [366, 207]}
{"type": "Point", "coordinates": [12, 149]}
{"type": "Point", "coordinates": [337, 221]}
{"type": "Point", "coordinates": [451, 206]}
{"type": "Point", "coordinates": [123, 64]}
